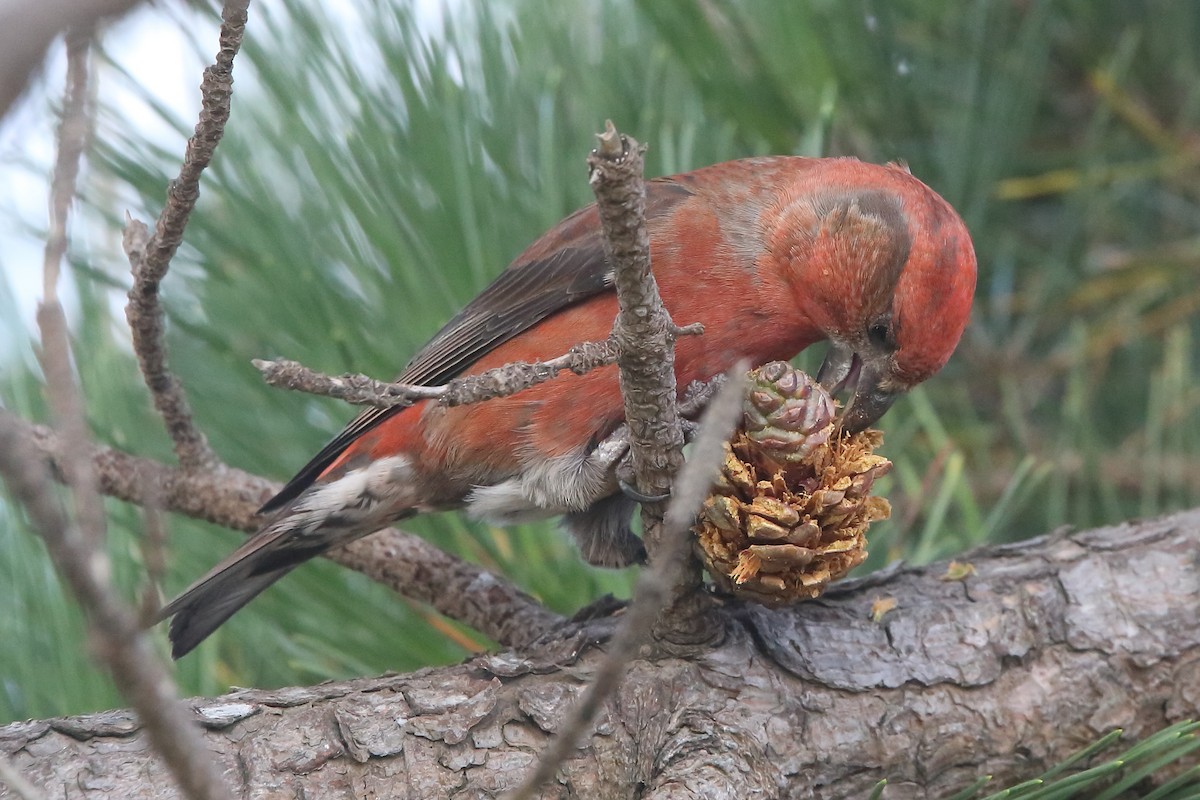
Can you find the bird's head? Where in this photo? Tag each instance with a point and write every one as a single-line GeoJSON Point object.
{"type": "Point", "coordinates": [887, 275]}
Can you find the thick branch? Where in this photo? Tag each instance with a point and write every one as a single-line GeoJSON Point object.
{"type": "Point", "coordinates": [1047, 646]}
{"type": "Point", "coordinates": [149, 256]}
{"type": "Point", "coordinates": [404, 562]}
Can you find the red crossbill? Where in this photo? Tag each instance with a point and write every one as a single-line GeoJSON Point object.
{"type": "Point", "coordinates": [770, 254]}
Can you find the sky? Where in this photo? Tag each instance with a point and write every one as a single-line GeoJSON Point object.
{"type": "Point", "coordinates": [149, 44]}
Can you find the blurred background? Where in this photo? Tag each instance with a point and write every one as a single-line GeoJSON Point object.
{"type": "Point", "coordinates": [384, 161]}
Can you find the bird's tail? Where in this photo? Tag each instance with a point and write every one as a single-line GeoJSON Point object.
{"type": "Point", "coordinates": [341, 506]}
{"type": "Point", "coordinates": [243, 575]}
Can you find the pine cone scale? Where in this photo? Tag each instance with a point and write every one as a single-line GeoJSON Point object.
{"type": "Point", "coordinates": [790, 511]}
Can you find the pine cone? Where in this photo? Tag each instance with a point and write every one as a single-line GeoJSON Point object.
{"type": "Point", "coordinates": [790, 511]}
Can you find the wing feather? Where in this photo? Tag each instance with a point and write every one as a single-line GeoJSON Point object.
{"type": "Point", "coordinates": [564, 267]}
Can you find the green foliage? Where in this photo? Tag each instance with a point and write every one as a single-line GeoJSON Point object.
{"type": "Point", "coordinates": [1088, 774]}
{"type": "Point", "coordinates": [376, 174]}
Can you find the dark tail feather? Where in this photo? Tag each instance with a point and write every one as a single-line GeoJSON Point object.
{"type": "Point", "coordinates": [233, 583]}
{"type": "Point", "coordinates": [200, 610]}
{"type": "Point", "coordinates": [299, 531]}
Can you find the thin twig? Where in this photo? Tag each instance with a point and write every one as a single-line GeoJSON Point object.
{"type": "Point", "coordinates": [653, 590]}
{"type": "Point", "coordinates": [150, 256]}
{"type": "Point", "coordinates": [11, 777]}
{"type": "Point", "coordinates": [407, 564]}
{"type": "Point", "coordinates": [116, 637]}
{"type": "Point", "coordinates": [643, 329]}
{"type": "Point", "coordinates": [55, 353]}
{"type": "Point", "coordinates": [153, 548]}
{"type": "Point", "coordinates": [77, 546]}
{"type": "Point", "coordinates": [502, 381]}
{"type": "Point", "coordinates": [73, 133]}
{"type": "Point", "coordinates": [645, 337]}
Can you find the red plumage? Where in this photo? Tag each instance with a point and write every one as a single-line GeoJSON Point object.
{"type": "Point", "coordinates": [770, 254]}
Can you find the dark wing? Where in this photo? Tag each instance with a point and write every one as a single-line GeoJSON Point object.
{"type": "Point", "coordinates": [562, 268]}
{"type": "Point", "coordinates": [522, 296]}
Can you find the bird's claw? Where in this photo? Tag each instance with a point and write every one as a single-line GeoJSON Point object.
{"type": "Point", "coordinates": [631, 491]}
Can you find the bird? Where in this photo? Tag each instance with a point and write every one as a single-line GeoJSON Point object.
{"type": "Point", "coordinates": [770, 254]}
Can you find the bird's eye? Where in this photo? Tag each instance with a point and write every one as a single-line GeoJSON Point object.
{"type": "Point", "coordinates": [880, 334]}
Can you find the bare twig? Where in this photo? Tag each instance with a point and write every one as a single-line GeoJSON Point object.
{"type": "Point", "coordinates": [73, 133]}
{"type": "Point", "coordinates": [353, 388]}
{"type": "Point", "coordinates": [11, 777]}
{"type": "Point", "coordinates": [76, 546]}
{"type": "Point", "coordinates": [643, 330]}
{"type": "Point", "coordinates": [645, 337]}
{"type": "Point", "coordinates": [55, 354]}
{"type": "Point", "coordinates": [403, 562]}
{"type": "Point", "coordinates": [154, 550]}
{"type": "Point", "coordinates": [499, 382]}
{"type": "Point", "coordinates": [653, 591]}
{"type": "Point", "coordinates": [489, 603]}
{"type": "Point", "coordinates": [117, 639]}
{"type": "Point", "coordinates": [149, 256]}
{"type": "Point", "coordinates": [230, 497]}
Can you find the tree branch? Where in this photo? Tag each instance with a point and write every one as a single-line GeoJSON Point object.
{"type": "Point", "coordinates": [502, 381]}
{"type": "Point", "coordinates": [205, 488]}
{"type": "Point", "coordinates": [1050, 644]}
{"type": "Point", "coordinates": [645, 338]}
{"type": "Point", "coordinates": [77, 546]}
{"type": "Point", "coordinates": [116, 639]}
{"type": "Point", "coordinates": [149, 256]}
{"type": "Point", "coordinates": [643, 330]}
{"type": "Point", "coordinates": [55, 353]}
{"type": "Point", "coordinates": [407, 564]}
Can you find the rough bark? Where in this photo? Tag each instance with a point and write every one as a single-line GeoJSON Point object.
{"type": "Point", "coordinates": [1047, 645]}
{"type": "Point", "coordinates": [643, 330]}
